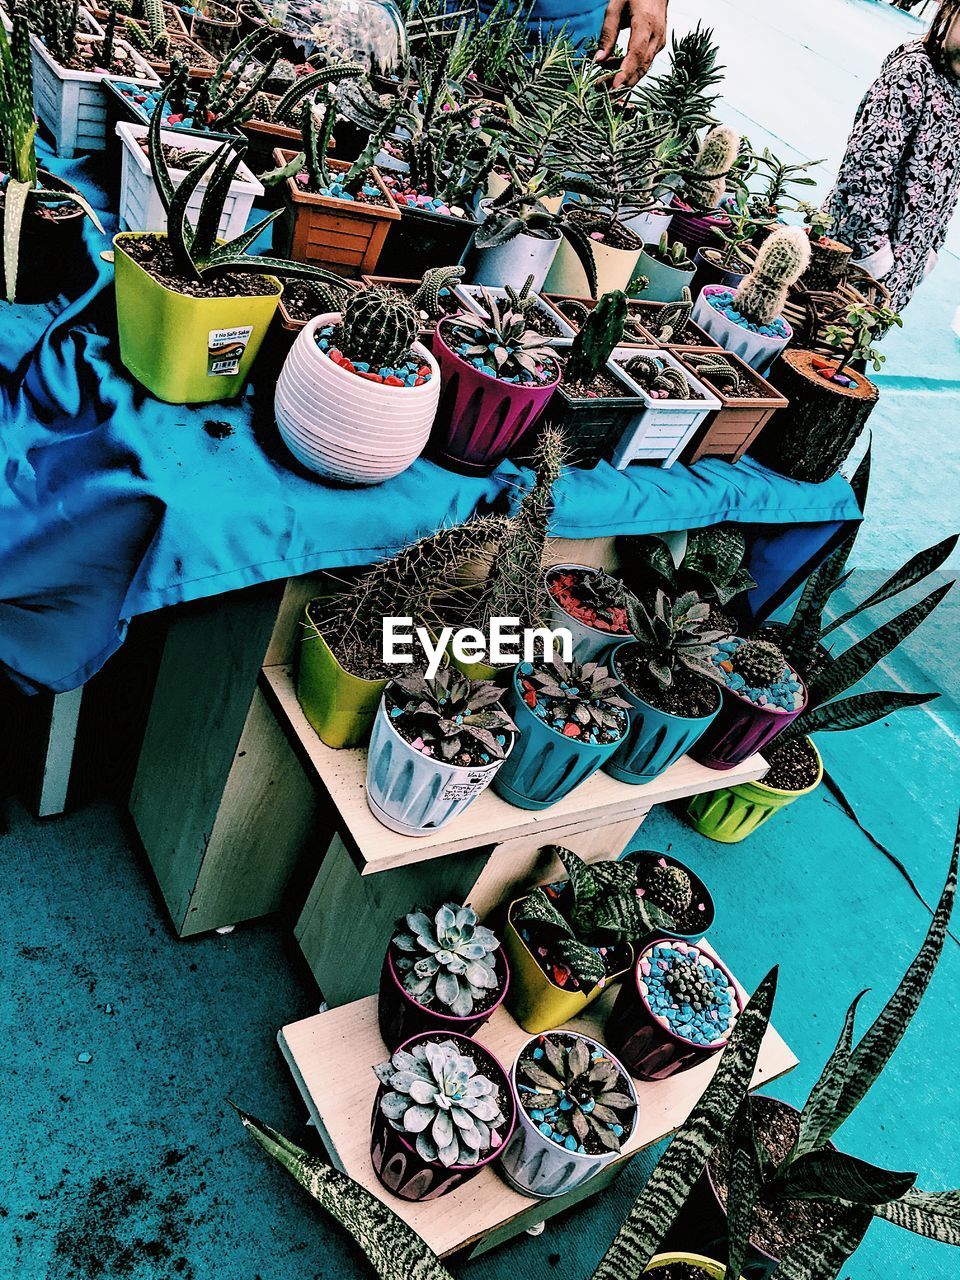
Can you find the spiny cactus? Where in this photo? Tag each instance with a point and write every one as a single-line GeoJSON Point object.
{"type": "Point", "coordinates": [674, 316]}
{"type": "Point", "coordinates": [109, 39]}
{"type": "Point", "coordinates": [435, 282]}
{"type": "Point", "coordinates": [157, 23]}
{"type": "Point", "coordinates": [705, 187]}
{"type": "Point", "coordinates": [378, 326]}
{"type": "Point", "coordinates": [781, 261]}
{"type": "Point", "coordinates": [759, 662]}
{"type": "Point", "coordinates": [521, 299]}
{"type": "Point", "coordinates": [599, 333]}
{"type": "Point", "coordinates": [713, 366]}
{"type": "Point", "coordinates": [670, 888]}
{"type": "Point", "coordinates": [658, 377]}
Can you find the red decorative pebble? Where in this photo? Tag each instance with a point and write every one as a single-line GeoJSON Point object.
{"type": "Point", "coordinates": [391, 380]}
{"type": "Point", "coordinates": [571, 730]}
{"type": "Point", "coordinates": [560, 975]}
{"type": "Point", "coordinates": [335, 355]}
{"type": "Point", "coordinates": [174, 118]}
{"type": "Point", "coordinates": [530, 699]}
{"type": "Point", "coordinates": [370, 377]}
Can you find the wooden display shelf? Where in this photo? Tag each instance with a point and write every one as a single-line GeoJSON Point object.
{"type": "Point", "coordinates": [600, 801]}
{"type": "Point", "coordinates": [486, 1211]}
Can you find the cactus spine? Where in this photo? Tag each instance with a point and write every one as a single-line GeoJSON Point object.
{"type": "Point", "coordinates": [378, 326]}
{"type": "Point", "coordinates": [782, 260]}
{"type": "Point", "coordinates": [705, 187]}
{"type": "Point", "coordinates": [670, 888]}
{"type": "Point", "coordinates": [600, 332]}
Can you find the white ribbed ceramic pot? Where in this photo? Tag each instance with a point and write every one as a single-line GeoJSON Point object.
{"type": "Point", "coordinates": [758, 350]}
{"type": "Point", "coordinates": [345, 427]}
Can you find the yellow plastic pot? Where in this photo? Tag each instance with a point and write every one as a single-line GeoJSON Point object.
{"type": "Point", "coordinates": [733, 813]}
{"type": "Point", "coordinates": [535, 1002]}
{"type": "Point", "coordinates": [186, 350]}
{"type": "Point", "coordinates": [707, 1265]}
{"type": "Point", "coordinates": [339, 706]}
{"type": "Point", "coordinates": [615, 267]}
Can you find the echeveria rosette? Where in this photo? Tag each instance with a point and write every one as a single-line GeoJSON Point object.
{"type": "Point", "coordinates": [449, 709]}
{"type": "Point", "coordinates": [448, 960]}
{"type": "Point", "coordinates": [673, 634]}
{"type": "Point", "coordinates": [439, 1100]}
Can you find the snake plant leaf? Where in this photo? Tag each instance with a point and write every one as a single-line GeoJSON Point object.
{"type": "Point", "coordinates": [877, 1045]}
{"type": "Point", "coordinates": [843, 672]}
{"type": "Point", "coordinates": [536, 908]}
{"type": "Point", "coordinates": [394, 1250]}
{"type": "Point", "coordinates": [820, 1105]}
{"type": "Point", "coordinates": [15, 195]}
{"type": "Point", "coordinates": [935, 1214]}
{"type": "Point", "coordinates": [915, 570]}
{"type": "Point", "coordinates": [821, 1256]}
{"type": "Point", "coordinates": [683, 1161]}
{"type": "Point", "coordinates": [855, 712]}
{"type": "Point", "coordinates": [745, 1177]}
{"type": "Point", "coordinates": [582, 960]}
{"type": "Point", "coordinates": [802, 633]}
{"type": "Point", "coordinates": [834, 1175]}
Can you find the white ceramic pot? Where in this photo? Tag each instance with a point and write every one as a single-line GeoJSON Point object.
{"type": "Point", "coordinates": [662, 428]}
{"type": "Point", "coordinates": [511, 263]}
{"type": "Point", "coordinates": [590, 644]}
{"type": "Point", "coordinates": [614, 270]}
{"type": "Point", "coordinates": [538, 1166]}
{"type": "Point", "coordinates": [758, 350]}
{"type": "Point", "coordinates": [413, 793]}
{"type": "Point", "coordinates": [141, 208]}
{"type": "Point", "coordinates": [649, 226]}
{"type": "Point", "coordinates": [345, 427]}
{"type": "Point", "coordinates": [72, 104]}
{"type": "Point", "coordinates": [472, 293]}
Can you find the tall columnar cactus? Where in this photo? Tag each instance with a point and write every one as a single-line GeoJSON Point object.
{"type": "Point", "coordinates": [108, 46]}
{"type": "Point", "coordinates": [782, 260]}
{"type": "Point", "coordinates": [378, 326]}
{"type": "Point", "coordinates": [705, 187]}
{"type": "Point", "coordinates": [155, 40]}
{"type": "Point", "coordinates": [599, 334]}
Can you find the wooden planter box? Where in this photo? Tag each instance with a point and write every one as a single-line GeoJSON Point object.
{"type": "Point", "coordinates": [346, 235]}
{"type": "Point", "coordinates": [731, 429]}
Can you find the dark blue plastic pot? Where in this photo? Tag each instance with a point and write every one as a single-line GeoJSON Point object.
{"type": "Point", "coordinates": [543, 766]}
{"type": "Point", "coordinates": [655, 740]}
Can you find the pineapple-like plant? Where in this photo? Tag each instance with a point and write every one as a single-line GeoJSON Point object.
{"type": "Point", "coordinates": [438, 1099]}
{"type": "Point", "coordinates": [503, 341]}
{"type": "Point", "coordinates": [781, 261]}
{"type": "Point", "coordinates": [378, 326]}
{"type": "Point", "coordinates": [706, 184]}
{"type": "Point", "coordinates": [585, 696]}
{"type": "Point", "coordinates": [450, 713]}
{"type": "Point", "coordinates": [685, 95]}
{"type": "Point", "coordinates": [674, 635]}
{"type": "Point", "coordinates": [580, 1092]}
{"type": "Point", "coordinates": [760, 662]}
{"type": "Point", "coordinates": [446, 961]}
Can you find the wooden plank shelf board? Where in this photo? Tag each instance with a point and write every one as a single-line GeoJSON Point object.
{"type": "Point", "coordinates": [600, 801]}
{"type": "Point", "coordinates": [331, 1057]}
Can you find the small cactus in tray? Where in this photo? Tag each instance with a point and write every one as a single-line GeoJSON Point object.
{"type": "Point", "coordinates": [446, 961]}
{"type": "Point", "coordinates": [760, 663]}
{"type": "Point", "coordinates": [378, 327]}
{"type": "Point", "coordinates": [714, 368]}
{"type": "Point", "coordinates": [660, 380]}
{"type": "Point", "coordinates": [437, 283]}
{"type": "Point", "coordinates": [671, 888]}
{"type": "Point", "coordinates": [762, 294]}
{"type": "Point", "coordinates": [674, 317]}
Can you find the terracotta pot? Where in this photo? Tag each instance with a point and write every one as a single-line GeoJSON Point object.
{"type": "Point", "coordinates": [401, 1017]}
{"type": "Point", "coordinates": [730, 430]}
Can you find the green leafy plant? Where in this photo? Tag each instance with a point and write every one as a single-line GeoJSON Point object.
{"type": "Point", "coordinates": [379, 326]}
{"type": "Point", "coordinates": [742, 228]}
{"type": "Point", "coordinates": [447, 961]}
{"type": "Point", "coordinates": [820, 221]}
{"type": "Point", "coordinates": [781, 261]}
{"type": "Point", "coordinates": [854, 335]}
{"type": "Point", "coordinates": [777, 195]}
{"type": "Point", "coordinates": [587, 1097]}
{"type": "Point", "coordinates": [450, 712]}
{"type": "Point", "coordinates": [686, 94]}
{"type": "Point", "coordinates": [671, 255]}
{"type": "Point", "coordinates": [600, 332]}
{"type": "Point", "coordinates": [674, 635]}
{"type": "Point", "coordinates": [442, 1103]}
{"type": "Point", "coordinates": [503, 338]}
{"type": "Point", "coordinates": [708, 561]}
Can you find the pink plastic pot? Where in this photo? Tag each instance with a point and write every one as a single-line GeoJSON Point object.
{"type": "Point", "coordinates": [696, 230]}
{"type": "Point", "coordinates": [395, 1160]}
{"type": "Point", "coordinates": [480, 419]}
{"type": "Point", "coordinates": [740, 729]}
{"type": "Point", "coordinates": [400, 1016]}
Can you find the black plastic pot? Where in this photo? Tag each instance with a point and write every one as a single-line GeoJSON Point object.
{"type": "Point", "coordinates": [421, 240]}
{"type": "Point", "coordinates": [591, 428]}
{"type": "Point", "coordinates": [53, 259]}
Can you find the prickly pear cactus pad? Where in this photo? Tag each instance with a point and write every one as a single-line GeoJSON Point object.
{"type": "Point", "coordinates": [687, 992]}
{"type": "Point", "coordinates": [782, 693]}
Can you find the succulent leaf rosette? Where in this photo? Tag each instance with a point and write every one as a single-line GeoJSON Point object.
{"type": "Point", "coordinates": [450, 717]}
{"type": "Point", "coordinates": [575, 1093]}
{"type": "Point", "coordinates": [447, 961]}
{"type": "Point", "coordinates": [673, 635]}
{"type": "Point", "coordinates": [580, 700]}
{"type": "Point", "coordinates": [503, 344]}
{"type": "Point", "coordinates": [438, 1099]}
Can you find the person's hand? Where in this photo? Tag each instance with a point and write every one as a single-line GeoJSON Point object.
{"type": "Point", "coordinates": [647, 20]}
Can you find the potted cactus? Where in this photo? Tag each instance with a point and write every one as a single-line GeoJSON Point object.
{"type": "Point", "coordinates": [697, 219]}
{"type": "Point", "coordinates": [749, 321]}
{"type": "Point", "coordinates": [443, 1112]}
{"type": "Point", "coordinates": [568, 941]}
{"type": "Point", "coordinates": [435, 295]}
{"type": "Point", "coordinates": [669, 681]}
{"type": "Point", "coordinates": [676, 1009]}
{"type": "Point", "coordinates": [591, 604]}
{"type": "Point", "coordinates": [672, 407]}
{"type": "Point", "coordinates": [160, 43]}
{"type": "Point", "coordinates": [670, 885]}
{"type": "Point", "coordinates": [571, 718]}
{"type": "Point", "coordinates": [436, 745]}
{"type": "Point", "coordinates": [499, 375]}
{"type": "Point", "coordinates": [443, 972]}
{"type": "Point", "coordinates": [577, 1110]}
{"type": "Point", "coordinates": [357, 394]}
{"type": "Point", "coordinates": [747, 403]}
{"type": "Point", "coordinates": [668, 270]}
{"type": "Point", "coordinates": [666, 324]}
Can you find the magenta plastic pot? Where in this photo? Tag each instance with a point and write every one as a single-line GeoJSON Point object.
{"type": "Point", "coordinates": [641, 1040]}
{"type": "Point", "coordinates": [401, 1017]}
{"type": "Point", "coordinates": [395, 1160]}
{"type": "Point", "coordinates": [480, 419]}
{"type": "Point", "coordinates": [740, 729]}
{"type": "Point", "coordinates": [696, 230]}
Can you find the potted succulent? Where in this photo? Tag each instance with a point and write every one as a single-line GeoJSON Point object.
{"type": "Point", "coordinates": [697, 219]}
{"type": "Point", "coordinates": [672, 407]}
{"type": "Point", "coordinates": [357, 394]}
{"type": "Point", "coordinates": [666, 324]}
{"type": "Point", "coordinates": [435, 746]}
{"type": "Point", "coordinates": [678, 892]}
{"type": "Point", "coordinates": [762, 695]}
{"type": "Point", "coordinates": [151, 36]}
{"type": "Point", "coordinates": [541, 316]}
{"type": "Point", "coordinates": [443, 1112]}
{"type": "Point", "coordinates": [571, 718]}
{"type": "Point", "coordinates": [668, 269]}
{"type": "Point", "coordinates": [829, 259]}
{"type": "Point", "coordinates": [676, 1009]}
{"type": "Point", "coordinates": [498, 375]}
{"type": "Point", "coordinates": [443, 972]}
{"type": "Point", "coordinates": [42, 215]}
{"type": "Point", "coordinates": [727, 264]}
{"type": "Point", "coordinates": [192, 312]}
{"type": "Point", "coordinates": [747, 403]}
{"type": "Point", "coordinates": [591, 604]}
{"type": "Point", "coordinates": [213, 25]}
{"type": "Point", "coordinates": [577, 1110]}
{"type": "Point", "coordinates": [749, 321]}
{"type": "Point", "coordinates": [778, 196]}
{"type": "Point", "coordinates": [567, 942]}
{"type": "Point", "coordinates": [829, 402]}
{"type": "Point", "coordinates": [669, 681]}
{"type": "Point", "coordinates": [435, 295]}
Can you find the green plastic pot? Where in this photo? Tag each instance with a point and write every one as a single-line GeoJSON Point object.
{"type": "Point", "coordinates": [733, 813]}
{"type": "Point", "coordinates": [186, 350]}
{"type": "Point", "coordinates": [707, 1265]}
{"type": "Point", "coordinates": [339, 706]}
{"type": "Point", "coordinates": [666, 283]}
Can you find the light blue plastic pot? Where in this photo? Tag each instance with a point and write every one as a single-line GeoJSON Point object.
{"type": "Point", "coordinates": [543, 766]}
{"type": "Point", "coordinates": [656, 739]}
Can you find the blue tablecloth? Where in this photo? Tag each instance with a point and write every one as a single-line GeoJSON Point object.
{"type": "Point", "coordinates": [113, 504]}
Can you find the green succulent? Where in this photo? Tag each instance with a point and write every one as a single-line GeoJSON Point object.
{"type": "Point", "coordinates": [448, 960]}
{"type": "Point", "coordinates": [674, 634]}
{"type": "Point", "coordinates": [587, 1095]}
{"type": "Point", "coordinates": [503, 337]}
{"type": "Point", "coordinates": [760, 663]}
{"type": "Point", "coordinates": [448, 712]}
{"type": "Point", "coordinates": [671, 888]}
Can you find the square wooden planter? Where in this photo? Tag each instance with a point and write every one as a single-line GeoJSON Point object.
{"type": "Point", "coordinates": [345, 235]}
{"type": "Point", "coordinates": [731, 429]}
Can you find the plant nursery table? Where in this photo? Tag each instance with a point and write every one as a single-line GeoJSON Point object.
{"type": "Point", "coordinates": [486, 1211]}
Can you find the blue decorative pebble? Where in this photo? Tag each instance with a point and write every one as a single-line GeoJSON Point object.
{"type": "Point", "coordinates": [702, 1026]}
